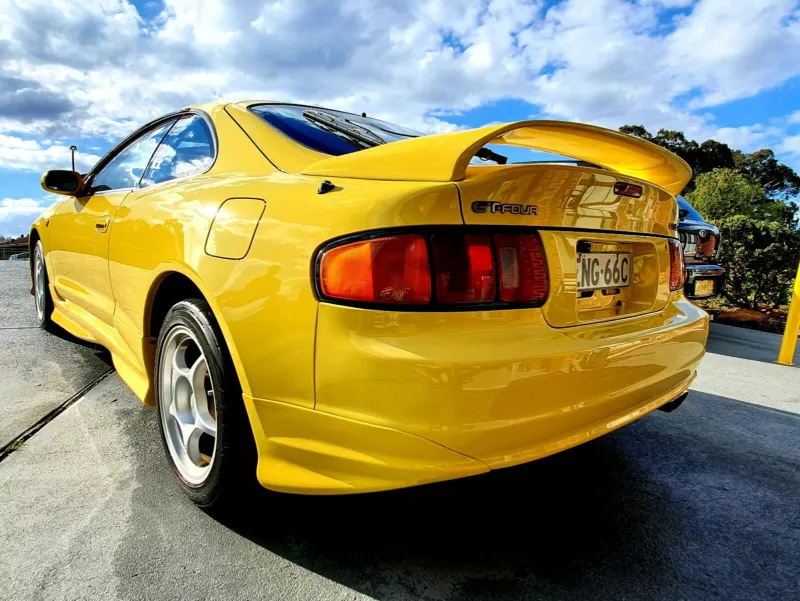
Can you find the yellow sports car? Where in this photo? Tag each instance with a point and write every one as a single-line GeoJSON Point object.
{"type": "Point", "coordinates": [333, 304]}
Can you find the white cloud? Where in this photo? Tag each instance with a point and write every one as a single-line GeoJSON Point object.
{"type": "Point", "coordinates": [730, 49]}
{"type": "Point", "coordinates": [17, 214]}
{"type": "Point", "coordinates": [748, 137]}
{"type": "Point", "coordinates": [103, 70]}
{"type": "Point", "coordinates": [30, 155]}
{"type": "Point", "coordinates": [790, 145]}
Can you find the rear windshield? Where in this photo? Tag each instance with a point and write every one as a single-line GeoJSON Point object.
{"type": "Point", "coordinates": [305, 125]}
{"type": "Point", "coordinates": [321, 130]}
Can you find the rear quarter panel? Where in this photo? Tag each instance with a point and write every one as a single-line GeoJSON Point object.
{"type": "Point", "coordinates": [264, 301]}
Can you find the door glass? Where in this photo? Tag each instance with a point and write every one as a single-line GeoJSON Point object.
{"type": "Point", "coordinates": [188, 149]}
{"type": "Point", "coordinates": [125, 169]}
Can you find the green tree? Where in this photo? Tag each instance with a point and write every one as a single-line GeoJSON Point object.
{"type": "Point", "coordinates": [702, 158]}
{"type": "Point", "coordinates": [747, 196]}
{"type": "Point", "coordinates": [636, 130]}
{"type": "Point", "coordinates": [761, 259]}
{"type": "Point", "coordinates": [675, 141]}
{"type": "Point", "coordinates": [723, 193]}
{"type": "Point", "coordinates": [778, 180]}
{"type": "Point", "coordinates": [761, 167]}
{"type": "Point", "coordinates": [760, 241]}
{"type": "Point", "coordinates": [712, 155]}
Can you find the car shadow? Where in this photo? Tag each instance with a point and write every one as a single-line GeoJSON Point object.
{"type": "Point", "coordinates": [649, 511]}
{"type": "Point", "coordinates": [557, 521]}
{"type": "Point", "coordinates": [694, 504]}
{"type": "Point", "coordinates": [101, 352]}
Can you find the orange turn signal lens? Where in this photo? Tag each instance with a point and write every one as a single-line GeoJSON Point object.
{"type": "Point", "coordinates": [392, 270]}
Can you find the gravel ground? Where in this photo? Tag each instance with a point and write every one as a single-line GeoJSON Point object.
{"type": "Point", "coordinates": [700, 503]}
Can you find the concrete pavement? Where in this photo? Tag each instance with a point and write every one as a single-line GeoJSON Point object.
{"type": "Point", "coordinates": [38, 371]}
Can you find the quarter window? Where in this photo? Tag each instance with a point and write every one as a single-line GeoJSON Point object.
{"type": "Point", "coordinates": [127, 167]}
{"type": "Point", "coordinates": [188, 149]}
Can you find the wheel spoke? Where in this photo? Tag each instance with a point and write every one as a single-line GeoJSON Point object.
{"type": "Point", "coordinates": [179, 362]}
{"type": "Point", "coordinates": [200, 398]}
{"type": "Point", "coordinates": [189, 412]}
{"type": "Point", "coordinates": [197, 375]}
{"type": "Point", "coordinates": [191, 442]}
{"type": "Point", "coordinates": [173, 411]}
{"type": "Point", "coordinates": [205, 423]}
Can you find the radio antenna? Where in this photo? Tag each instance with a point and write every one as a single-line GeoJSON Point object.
{"type": "Point", "coordinates": [73, 148]}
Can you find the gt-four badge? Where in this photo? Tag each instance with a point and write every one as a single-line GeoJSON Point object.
{"type": "Point", "coordinates": [486, 206]}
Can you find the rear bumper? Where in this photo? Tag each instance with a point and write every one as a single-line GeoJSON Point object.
{"type": "Point", "coordinates": [405, 398]}
{"type": "Point", "coordinates": [699, 273]}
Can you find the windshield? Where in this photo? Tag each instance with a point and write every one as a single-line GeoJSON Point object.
{"type": "Point", "coordinates": [345, 133]}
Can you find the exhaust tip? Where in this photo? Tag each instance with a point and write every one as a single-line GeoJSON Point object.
{"type": "Point", "coordinates": [675, 403]}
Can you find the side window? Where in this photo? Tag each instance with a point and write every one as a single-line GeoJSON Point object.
{"type": "Point", "coordinates": [125, 169]}
{"type": "Point", "coordinates": [188, 149]}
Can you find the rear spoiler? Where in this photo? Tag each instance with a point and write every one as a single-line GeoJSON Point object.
{"type": "Point", "coordinates": [445, 157]}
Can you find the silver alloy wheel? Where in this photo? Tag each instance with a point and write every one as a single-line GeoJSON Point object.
{"type": "Point", "coordinates": [188, 407]}
{"type": "Point", "coordinates": [39, 283]}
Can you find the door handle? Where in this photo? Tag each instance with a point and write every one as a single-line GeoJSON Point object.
{"type": "Point", "coordinates": [102, 224]}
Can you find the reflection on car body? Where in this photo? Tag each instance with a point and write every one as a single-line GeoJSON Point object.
{"type": "Point", "coordinates": [701, 244]}
{"type": "Point", "coordinates": [371, 332]}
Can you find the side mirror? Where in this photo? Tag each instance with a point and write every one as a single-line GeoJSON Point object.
{"type": "Point", "coordinates": [62, 181]}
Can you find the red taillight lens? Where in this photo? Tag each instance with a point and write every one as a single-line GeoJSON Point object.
{"type": "Point", "coordinates": [523, 271]}
{"type": "Point", "coordinates": [464, 268]}
{"type": "Point", "coordinates": [676, 266]}
{"type": "Point", "coordinates": [383, 270]}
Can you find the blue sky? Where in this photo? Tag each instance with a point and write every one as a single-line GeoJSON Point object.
{"type": "Point", "coordinates": [712, 68]}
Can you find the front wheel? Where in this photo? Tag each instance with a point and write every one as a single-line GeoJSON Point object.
{"type": "Point", "coordinates": [41, 289]}
{"type": "Point", "coordinates": [203, 422]}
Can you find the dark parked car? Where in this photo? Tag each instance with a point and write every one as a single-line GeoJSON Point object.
{"type": "Point", "coordinates": [701, 241]}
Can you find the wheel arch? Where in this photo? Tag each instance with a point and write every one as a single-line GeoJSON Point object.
{"type": "Point", "coordinates": [173, 284]}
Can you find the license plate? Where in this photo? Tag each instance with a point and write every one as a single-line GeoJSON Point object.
{"type": "Point", "coordinates": [603, 270]}
{"type": "Point", "coordinates": [704, 288]}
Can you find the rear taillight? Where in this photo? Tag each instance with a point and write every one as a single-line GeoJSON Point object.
{"type": "Point", "coordinates": [463, 269]}
{"type": "Point", "coordinates": [676, 265]}
{"type": "Point", "coordinates": [523, 271]}
{"type": "Point", "coordinates": [382, 270]}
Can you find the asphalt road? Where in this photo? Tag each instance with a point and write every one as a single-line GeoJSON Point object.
{"type": "Point", "coordinates": [701, 503]}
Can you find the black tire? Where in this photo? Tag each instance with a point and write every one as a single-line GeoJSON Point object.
{"type": "Point", "coordinates": [233, 470]}
{"type": "Point", "coordinates": [45, 317]}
